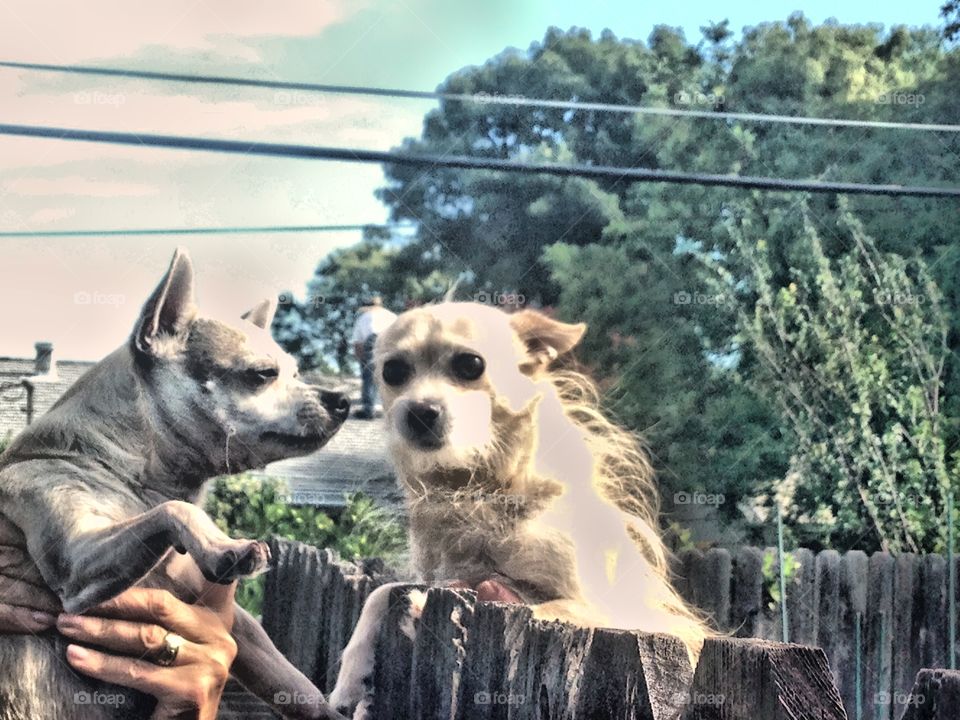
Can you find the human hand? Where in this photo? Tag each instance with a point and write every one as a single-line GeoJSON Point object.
{"type": "Point", "coordinates": [26, 604]}
{"type": "Point", "coordinates": [132, 629]}
{"type": "Point", "coordinates": [490, 591]}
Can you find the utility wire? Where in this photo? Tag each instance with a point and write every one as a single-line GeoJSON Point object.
{"type": "Point", "coordinates": [196, 230]}
{"type": "Point", "coordinates": [605, 172]}
{"type": "Point", "coordinates": [479, 98]}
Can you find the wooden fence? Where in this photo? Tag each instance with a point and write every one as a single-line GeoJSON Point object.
{"type": "Point", "coordinates": [483, 660]}
{"type": "Point", "coordinates": [899, 603]}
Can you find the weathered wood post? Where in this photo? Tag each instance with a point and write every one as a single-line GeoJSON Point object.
{"type": "Point", "coordinates": [738, 679]}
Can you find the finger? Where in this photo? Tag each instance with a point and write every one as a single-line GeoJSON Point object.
{"type": "Point", "coordinates": [148, 605]}
{"type": "Point", "coordinates": [19, 620]}
{"type": "Point", "coordinates": [129, 672]}
{"type": "Point", "coordinates": [14, 591]}
{"type": "Point", "coordinates": [10, 534]}
{"type": "Point", "coordinates": [139, 640]}
{"type": "Point", "coordinates": [15, 562]}
{"type": "Point", "coordinates": [492, 591]}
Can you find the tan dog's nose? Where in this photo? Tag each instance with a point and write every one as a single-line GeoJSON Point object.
{"type": "Point", "coordinates": [425, 423]}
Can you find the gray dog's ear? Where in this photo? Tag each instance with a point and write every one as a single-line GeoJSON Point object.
{"type": "Point", "coordinates": [262, 314]}
{"type": "Point", "coordinates": [170, 308]}
{"type": "Point", "coordinates": [546, 339]}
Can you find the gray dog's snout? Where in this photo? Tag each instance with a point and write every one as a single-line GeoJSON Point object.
{"type": "Point", "coordinates": [336, 404]}
{"type": "Point", "coordinates": [425, 421]}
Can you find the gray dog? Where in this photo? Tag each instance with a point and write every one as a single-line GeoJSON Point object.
{"type": "Point", "coordinates": [103, 488]}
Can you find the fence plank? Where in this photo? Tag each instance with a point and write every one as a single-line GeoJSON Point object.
{"type": "Point", "coordinates": [932, 631]}
{"type": "Point", "coordinates": [828, 606]}
{"type": "Point", "coordinates": [878, 634]}
{"type": "Point", "coordinates": [739, 679]}
{"type": "Point", "coordinates": [687, 569]}
{"type": "Point", "coordinates": [746, 591]}
{"type": "Point", "coordinates": [633, 676]}
{"type": "Point", "coordinates": [904, 669]}
{"type": "Point", "coordinates": [492, 658]}
{"type": "Point", "coordinates": [852, 603]}
{"type": "Point", "coordinates": [802, 599]}
{"type": "Point", "coordinates": [392, 675]}
{"type": "Point", "coordinates": [712, 587]}
{"type": "Point", "coordinates": [438, 654]}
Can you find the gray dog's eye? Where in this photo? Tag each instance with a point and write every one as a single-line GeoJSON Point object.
{"type": "Point", "coordinates": [396, 372]}
{"type": "Point", "coordinates": [260, 376]}
{"type": "Point", "coordinates": [468, 366]}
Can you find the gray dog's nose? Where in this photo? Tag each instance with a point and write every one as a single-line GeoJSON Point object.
{"type": "Point", "coordinates": [425, 419]}
{"type": "Point", "coordinates": [336, 404]}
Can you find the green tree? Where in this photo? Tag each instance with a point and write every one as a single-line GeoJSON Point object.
{"type": "Point", "coordinates": [619, 255]}
{"type": "Point", "coordinates": [852, 349]}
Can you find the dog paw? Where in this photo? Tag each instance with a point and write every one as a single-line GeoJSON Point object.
{"type": "Point", "coordinates": [416, 600]}
{"type": "Point", "coordinates": [354, 698]}
{"type": "Point", "coordinates": [241, 559]}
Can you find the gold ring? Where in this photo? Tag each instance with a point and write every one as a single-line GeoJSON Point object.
{"type": "Point", "coordinates": [170, 648]}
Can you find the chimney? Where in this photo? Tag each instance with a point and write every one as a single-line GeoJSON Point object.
{"type": "Point", "coordinates": [44, 363]}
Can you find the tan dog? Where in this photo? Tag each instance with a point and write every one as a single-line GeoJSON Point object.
{"type": "Point", "coordinates": [512, 474]}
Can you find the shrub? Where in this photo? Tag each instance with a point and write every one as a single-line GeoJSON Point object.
{"type": "Point", "coordinates": [244, 506]}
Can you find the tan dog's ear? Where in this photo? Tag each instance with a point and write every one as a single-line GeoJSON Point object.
{"type": "Point", "coordinates": [262, 314]}
{"type": "Point", "coordinates": [546, 339]}
{"type": "Point", "coordinates": [170, 308]}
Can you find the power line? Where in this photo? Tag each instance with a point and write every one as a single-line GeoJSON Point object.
{"type": "Point", "coordinates": [480, 98]}
{"type": "Point", "coordinates": [605, 172]}
{"type": "Point", "coordinates": [196, 230]}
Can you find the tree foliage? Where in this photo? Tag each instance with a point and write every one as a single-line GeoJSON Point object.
{"type": "Point", "coordinates": [852, 350]}
{"type": "Point", "coordinates": [626, 257]}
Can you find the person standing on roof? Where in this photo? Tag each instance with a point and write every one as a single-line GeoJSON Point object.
{"type": "Point", "coordinates": [373, 320]}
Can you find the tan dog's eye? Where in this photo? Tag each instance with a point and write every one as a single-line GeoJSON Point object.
{"type": "Point", "coordinates": [468, 366]}
{"type": "Point", "coordinates": [396, 372]}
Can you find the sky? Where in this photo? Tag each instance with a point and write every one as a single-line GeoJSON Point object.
{"type": "Point", "coordinates": [83, 294]}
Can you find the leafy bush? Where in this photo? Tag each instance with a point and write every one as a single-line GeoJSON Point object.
{"type": "Point", "coordinates": [246, 507]}
{"type": "Point", "coordinates": [852, 350]}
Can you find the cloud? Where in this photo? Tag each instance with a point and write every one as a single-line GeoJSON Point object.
{"type": "Point", "coordinates": [67, 32]}
{"type": "Point", "coordinates": [75, 185]}
{"type": "Point", "coordinates": [49, 215]}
